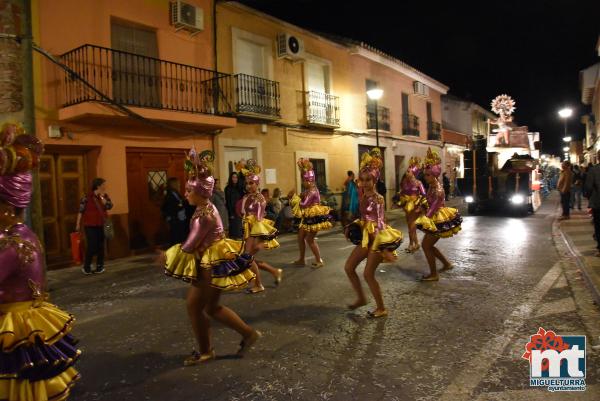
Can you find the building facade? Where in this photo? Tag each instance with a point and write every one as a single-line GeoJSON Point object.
{"type": "Point", "coordinates": [128, 93]}
{"type": "Point", "coordinates": [299, 94]}
{"type": "Point", "coordinates": [589, 81]}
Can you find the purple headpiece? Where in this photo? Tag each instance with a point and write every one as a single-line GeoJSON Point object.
{"type": "Point", "coordinates": [433, 163]}
{"type": "Point", "coordinates": [199, 170]}
{"type": "Point", "coordinates": [19, 153]}
{"type": "Point", "coordinates": [306, 170]}
{"type": "Point", "coordinates": [250, 169]}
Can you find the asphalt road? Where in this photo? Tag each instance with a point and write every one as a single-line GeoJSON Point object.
{"type": "Point", "coordinates": [458, 339]}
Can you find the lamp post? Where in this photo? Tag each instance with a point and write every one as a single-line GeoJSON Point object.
{"type": "Point", "coordinates": [565, 114]}
{"type": "Point", "coordinates": [375, 94]}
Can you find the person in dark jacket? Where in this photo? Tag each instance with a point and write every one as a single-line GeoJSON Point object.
{"type": "Point", "coordinates": [234, 191]}
{"type": "Point", "coordinates": [446, 185]}
{"type": "Point", "coordinates": [93, 213]}
{"type": "Point", "coordinates": [382, 190]}
{"type": "Point", "coordinates": [175, 210]}
{"type": "Point", "coordinates": [218, 199]}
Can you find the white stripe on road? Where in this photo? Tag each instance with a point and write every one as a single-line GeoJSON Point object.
{"type": "Point", "coordinates": [347, 247]}
{"type": "Point", "coordinates": [476, 369]}
{"type": "Point", "coordinates": [536, 395]}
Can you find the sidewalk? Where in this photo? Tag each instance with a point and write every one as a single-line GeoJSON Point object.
{"type": "Point", "coordinates": [578, 233]}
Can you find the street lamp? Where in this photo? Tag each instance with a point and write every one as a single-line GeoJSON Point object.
{"type": "Point", "coordinates": [375, 94]}
{"type": "Point", "coordinates": [565, 114]}
{"type": "Point", "coordinates": [566, 149]}
{"type": "Point", "coordinates": [567, 139]}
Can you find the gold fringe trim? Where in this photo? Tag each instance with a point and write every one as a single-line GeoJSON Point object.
{"type": "Point", "coordinates": [57, 388]}
{"type": "Point", "coordinates": [24, 322]}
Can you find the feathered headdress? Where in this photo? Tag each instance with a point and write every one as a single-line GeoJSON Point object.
{"type": "Point", "coordinates": [371, 162]}
{"type": "Point", "coordinates": [414, 165]}
{"type": "Point", "coordinates": [250, 169]}
{"type": "Point", "coordinates": [199, 169]}
{"type": "Point", "coordinates": [306, 169]}
{"type": "Point", "coordinates": [19, 153]}
{"type": "Point", "coordinates": [432, 163]}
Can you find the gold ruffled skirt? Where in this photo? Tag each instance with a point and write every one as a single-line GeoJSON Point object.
{"type": "Point", "coordinates": [29, 330]}
{"type": "Point", "coordinates": [411, 202]}
{"type": "Point", "coordinates": [445, 223]}
{"type": "Point", "coordinates": [230, 267]}
{"type": "Point", "coordinates": [263, 229]}
{"type": "Point", "coordinates": [387, 238]}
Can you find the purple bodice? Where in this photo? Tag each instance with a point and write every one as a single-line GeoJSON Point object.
{"type": "Point", "coordinates": [372, 209]}
{"type": "Point", "coordinates": [412, 186]}
{"type": "Point", "coordinates": [254, 204]}
{"type": "Point", "coordinates": [310, 198]}
{"type": "Point", "coordinates": [21, 260]}
{"type": "Point", "coordinates": [206, 227]}
{"type": "Point", "coordinates": [435, 198]}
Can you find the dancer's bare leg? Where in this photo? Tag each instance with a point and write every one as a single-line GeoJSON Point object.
{"type": "Point", "coordinates": [445, 262]}
{"type": "Point", "coordinates": [251, 248]}
{"type": "Point", "coordinates": [314, 247]}
{"type": "Point", "coordinates": [373, 260]}
{"type": "Point", "coordinates": [428, 248]}
{"type": "Point", "coordinates": [301, 247]}
{"type": "Point", "coordinates": [358, 255]}
{"type": "Point", "coordinates": [196, 301]}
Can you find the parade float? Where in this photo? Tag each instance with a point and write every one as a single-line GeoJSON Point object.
{"type": "Point", "coordinates": [501, 170]}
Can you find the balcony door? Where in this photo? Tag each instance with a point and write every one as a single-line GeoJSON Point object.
{"type": "Point", "coordinates": [136, 69]}
{"type": "Point", "coordinates": [321, 108]}
{"type": "Point", "coordinates": [234, 154]}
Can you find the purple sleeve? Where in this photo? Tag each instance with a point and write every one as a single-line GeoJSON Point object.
{"type": "Point", "coordinates": [313, 198]}
{"type": "Point", "coordinates": [380, 215]}
{"type": "Point", "coordinates": [260, 210]}
{"type": "Point", "coordinates": [197, 234]}
{"type": "Point", "coordinates": [422, 189]}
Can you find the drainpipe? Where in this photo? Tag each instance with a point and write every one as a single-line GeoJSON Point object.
{"type": "Point", "coordinates": [35, 208]}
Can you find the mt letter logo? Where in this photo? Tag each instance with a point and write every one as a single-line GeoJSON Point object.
{"type": "Point", "coordinates": [556, 362]}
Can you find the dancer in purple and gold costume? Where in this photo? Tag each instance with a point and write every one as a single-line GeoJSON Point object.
{"type": "Point", "coordinates": [436, 220]}
{"type": "Point", "coordinates": [211, 262]}
{"type": "Point", "coordinates": [259, 232]}
{"type": "Point", "coordinates": [36, 350]}
{"type": "Point", "coordinates": [412, 196]}
{"type": "Point", "coordinates": [314, 217]}
{"type": "Point", "coordinates": [374, 239]}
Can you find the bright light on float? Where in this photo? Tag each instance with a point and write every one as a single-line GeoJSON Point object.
{"type": "Point", "coordinates": [517, 199]}
{"type": "Point", "coordinates": [469, 199]}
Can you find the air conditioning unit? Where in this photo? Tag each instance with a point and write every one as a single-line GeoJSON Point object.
{"type": "Point", "coordinates": [187, 16]}
{"type": "Point", "coordinates": [290, 47]}
{"type": "Point", "coordinates": [420, 89]}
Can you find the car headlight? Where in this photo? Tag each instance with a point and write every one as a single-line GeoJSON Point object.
{"type": "Point", "coordinates": [469, 199]}
{"type": "Point", "coordinates": [517, 199]}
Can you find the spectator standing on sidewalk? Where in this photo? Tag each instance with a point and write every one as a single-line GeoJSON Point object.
{"type": "Point", "coordinates": [446, 185]}
{"type": "Point", "coordinates": [350, 199]}
{"type": "Point", "coordinates": [92, 215]}
{"type": "Point", "coordinates": [218, 199]}
{"type": "Point", "coordinates": [234, 191]}
{"type": "Point", "coordinates": [592, 187]}
{"type": "Point", "coordinates": [175, 211]}
{"type": "Point", "coordinates": [564, 187]}
{"type": "Point", "coordinates": [576, 187]}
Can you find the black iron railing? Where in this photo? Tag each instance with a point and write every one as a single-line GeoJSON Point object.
{"type": "Point", "coordinates": [434, 131]}
{"type": "Point", "coordinates": [410, 125]}
{"type": "Point", "coordinates": [134, 80]}
{"type": "Point", "coordinates": [253, 96]}
{"type": "Point", "coordinates": [322, 109]}
{"type": "Point", "coordinates": [383, 118]}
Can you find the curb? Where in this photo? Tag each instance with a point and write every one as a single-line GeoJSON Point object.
{"type": "Point", "coordinates": [579, 260]}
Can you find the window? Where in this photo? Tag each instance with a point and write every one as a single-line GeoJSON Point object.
{"type": "Point", "coordinates": [157, 182]}
{"type": "Point", "coordinates": [370, 84]}
{"type": "Point", "coordinates": [404, 110]}
{"type": "Point", "coordinates": [320, 176]}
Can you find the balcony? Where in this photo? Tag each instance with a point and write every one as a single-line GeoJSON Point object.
{"type": "Point", "coordinates": [150, 87]}
{"type": "Point", "coordinates": [434, 131]}
{"type": "Point", "coordinates": [253, 97]}
{"type": "Point", "coordinates": [322, 109]}
{"type": "Point", "coordinates": [410, 125]}
{"type": "Point", "coordinates": [383, 118]}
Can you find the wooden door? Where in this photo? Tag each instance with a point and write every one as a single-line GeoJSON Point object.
{"type": "Point", "coordinates": [62, 186]}
{"type": "Point", "coordinates": [147, 174]}
{"type": "Point", "coordinates": [398, 160]}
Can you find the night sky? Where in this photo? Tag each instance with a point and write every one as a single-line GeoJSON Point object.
{"type": "Point", "coordinates": [532, 50]}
